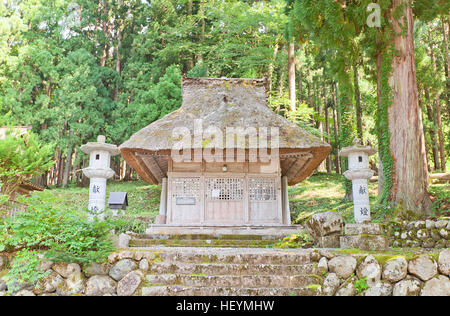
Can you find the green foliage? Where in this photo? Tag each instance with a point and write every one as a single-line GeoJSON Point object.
{"type": "Point", "coordinates": [200, 70]}
{"type": "Point", "coordinates": [441, 202]}
{"type": "Point", "coordinates": [361, 285]}
{"type": "Point", "coordinates": [65, 235]}
{"type": "Point", "coordinates": [24, 269]}
{"type": "Point", "coordinates": [74, 70]}
{"type": "Point", "coordinates": [21, 158]}
{"type": "Point", "coordinates": [124, 224]}
{"type": "Point", "coordinates": [382, 124]}
{"type": "Point", "coordinates": [143, 199]}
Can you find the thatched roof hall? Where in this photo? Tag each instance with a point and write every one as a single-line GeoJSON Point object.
{"type": "Point", "coordinates": [223, 103]}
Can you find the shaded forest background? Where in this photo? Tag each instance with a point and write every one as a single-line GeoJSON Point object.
{"type": "Point", "coordinates": [77, 69]}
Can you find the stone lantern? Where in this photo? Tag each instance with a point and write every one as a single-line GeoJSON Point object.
{"type": "Point", "coordinates": [364, 234]}
{"type": "Point", "coordinates": [99, 172]}
{"type": "Point", "coordinates": [358, 172]}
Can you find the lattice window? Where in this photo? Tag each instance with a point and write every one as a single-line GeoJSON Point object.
{"type": "Point", "coordinates": [228, 189]}
{"type": "Point", "coordinates": [185, 187]}
{"type": "Point", "coordinates": [262, 189]}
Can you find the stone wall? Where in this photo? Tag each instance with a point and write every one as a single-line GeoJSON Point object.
{"type": "Point", "coordinates": [333, 273]}
{"type": "Point", "coordinates": [425, 234]}
{"type": "Point", "coordinates": [385, 275]}
{"type": "Point", "coordinates": [121, 275]}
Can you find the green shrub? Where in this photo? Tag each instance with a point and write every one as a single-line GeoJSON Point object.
{"type": "Point", "coordinates": [24, 269]}
{"type": "Point", "coordinates": [21, 158]}
{"type": "Point", "coordinates": [62, 234]}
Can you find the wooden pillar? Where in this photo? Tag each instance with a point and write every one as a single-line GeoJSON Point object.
{"type": "Point", "coordinates": [162, 217]}
{"type": "Point", "coordinates": [285, 201]}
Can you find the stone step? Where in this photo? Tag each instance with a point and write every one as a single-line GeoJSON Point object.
{"type": "Point", "coordinates": [227, 291]}
{"type": "Point", "coordinates": [212, 236]}
{"type": "Point", "coordinates": [258, 230]}
{"type": "Point", "coordinates": [232, 269]}
{"type": "Point", "coordinates": [238, 243]}
{"type": "Point", "coordinates": [234, 255]}
{"type": "Point", "coordinates": [224, 281]}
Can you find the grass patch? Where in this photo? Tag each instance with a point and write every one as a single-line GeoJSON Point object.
{"type": "Point", "coordinates": [143, 199]}
{"type": "Point", "coordinates": [322, 192]}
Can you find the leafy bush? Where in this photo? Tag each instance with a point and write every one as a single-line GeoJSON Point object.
{"type": "Point", "coordinates": [21, 158]}
{"type": "Point", "coordinates": [24, 269]}
{"type": "Point", "coordinates": [63, 234]}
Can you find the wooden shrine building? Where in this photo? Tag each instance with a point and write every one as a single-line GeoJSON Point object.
{"type": "Point", "coordinates": [210, 178]}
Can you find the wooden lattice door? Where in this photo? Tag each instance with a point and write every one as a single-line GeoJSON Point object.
{"type": "Point", "coordinates": [224, 200]}
{"type": "Point", "coordinates": [264, 200]}
{"type": "Point", "coordinates": [185, 198]}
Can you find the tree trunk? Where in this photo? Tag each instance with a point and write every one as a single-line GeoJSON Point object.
{"type": "Point", "coordinates": [407, 143]}
{"type": "Point", "coordinates": [281, 77]}
{"type": "Point", "coordinates": [379, 60]}
{"type": "Point", "coordinates": [68, 167]}
{"type": "Point", "coordinates": [60, 171]}
{"type": "Point", "coordinates": [105, 31]}
{"type": "Point", "coordinates": [327, 129]}
{"type": "Point", "coordinates": [270, 73]}
{"type": "Point", "coordinates": [432, 130]}
{"type": "Point", "coordinates": [438, 122]}
{"type": "Point", "coordinates": [447, 56]}
{"type": "Point", "coordinates": [337, 163]}
{"type": "Point", "coordinates": [300, 87]}
{"type": "Point", "coordinates": [321, 105]}
{"type": "Point", "coordinates": [291, 67]}
{"type": "Point", "coordinates": [358, 104]}
{"type": "Point", "coordinates": [128, 172]}
{"type": "Point", "coordinates": [201, 12]}
{"type": "Point", "coordinates": [437, 106]}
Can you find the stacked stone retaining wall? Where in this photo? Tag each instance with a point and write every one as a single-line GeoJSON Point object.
{"type": "Point", "coordinates": [268, 272]}
{"type": "Point", "coordinates": [426, 234]}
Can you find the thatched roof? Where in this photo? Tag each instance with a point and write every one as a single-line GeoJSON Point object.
{"type": "Point", "coordinates": [223, 103]}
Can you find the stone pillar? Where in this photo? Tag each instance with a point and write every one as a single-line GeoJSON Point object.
{"type": "Point", "coordinates": [358, 172]}
{"type": "Point", "coordinates": [285, 201]}
{"type": "Point", "coordinates": [98, 172]}
{"type": "Point", "coordinates": [362, 235]}
{"type": "Point", "coordinates": [361, 205]}
{"type": "Point", "coordinates": [162, 217]}
{"type": "Point", "coordinates": [97, 194]}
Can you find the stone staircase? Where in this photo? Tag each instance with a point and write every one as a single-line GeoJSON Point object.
{"type": "Point", "coordinates": [211, 271]}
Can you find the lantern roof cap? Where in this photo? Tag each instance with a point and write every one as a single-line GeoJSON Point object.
{"type": "Point", "coordinates": [357, 148]}
{"type": "Point", "coordinates": [100, 145]}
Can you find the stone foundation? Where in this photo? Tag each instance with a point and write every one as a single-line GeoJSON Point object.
{"type": "Point", "coordinates": [367, 236]}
